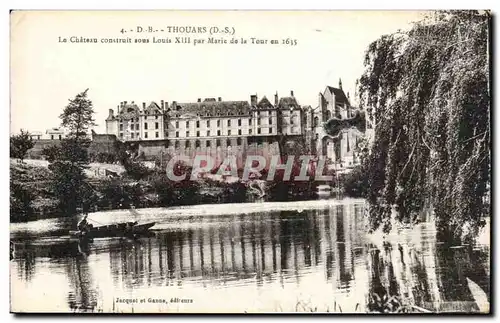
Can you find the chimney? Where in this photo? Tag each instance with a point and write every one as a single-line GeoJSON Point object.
{"type": "Point", "coordinates": [199, 100]}
{"type": "Point", "coordinates": [111, 112]}
{"type": "Point", "coordinates": [291, 93]}
{"type": "Point", "coordinates": [118, 108]}
{"type": "Point", "coordinates": [143, 105]}
{"type": "Point", "coordinates": [174, 104]}
{"type": "Point", "coordinates": [124, 103]}
{"type": "Point", "coordinates": [340, 84]}
{"type": "Point", "coordinates": [253, 100]}
{"type": "Point", "coordinates": [166, 105]}
{"type": "Point", "coordinates": [276, 99]}
{"type": "Point", "coordinates": [162, 105]}
{"type": "Point", "coordinates": [219, 99]}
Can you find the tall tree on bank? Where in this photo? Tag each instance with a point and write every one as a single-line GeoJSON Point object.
{"type": "Point", "coordinates": [69, 159]}
{"type": "Point", "coordinates": [20, 144]}
{"type": "Point", "coordinates": [428, 92]}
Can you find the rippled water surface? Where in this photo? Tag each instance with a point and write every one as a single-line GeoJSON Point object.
{"type": "Point", "coordinates": [297, 256]}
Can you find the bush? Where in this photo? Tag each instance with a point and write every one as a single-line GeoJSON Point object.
{"type": "Point", "coordinates": [355, 183]}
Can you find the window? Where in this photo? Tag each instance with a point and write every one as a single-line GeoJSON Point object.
{"type": "Point", "coordinates": [238, 141]}
{"type": "Point", "coordinates": [239, 122]}
{"type": "Point", "coordinates": [270, 120]}
{"type": "Point", "coordinates": [59, 137]}
{"type": "Point", "coordinates": [177, 145]}
{"type": "Point", "coordinates": [121, 134]}
{"type": "Point", "coordinates": [156, 125]}
{"type": "Point", "coordinates": [218, 123]}
{"type": "Point", "coordinates": [145, 126]}
{"type": "Point", "coordinates": [132, 135]}
{"type": "Point", "coordinates": [177, 124]}
{"type": "Point", "coordinates": [258, 122]}
{"type": "Point", "coordinates": [145, 135]}
{"type": "Point", "coordinates": [249, 131]}
{"type": "Point", "coordinates": [229, 123]}
{"type": "Point", "coordinates": [121, 126]}
{"type": "Point", "coordinates": [157, 134]}
{"type": "Point", "coordinates": [187, 124]}
{"type": "Point", "coordinates": [218, 142]}
{"type": "Point", "coordinates": [218, 132]}
{"type": "Point", "coordinates": [138, 137]}
{"type": "Point", "coordinates": [198, 144]}
{"type": "Point", "coordinates": [270, 130]}
{"type": "Point", "coordinates": [316, 121]}
{"type": "Point", "coordinates": [187, 133]}
{"type": "Point", "coordinates": [249, 122]}
{"type": "Point", "coordinates": [208, 123]}
{"type": "Point", "coordinates": [188, 144]}
{"type": "Point", "coordinates": [197, 133]}
{"type": "Point", "coordinates": [239, 132]}
{"type": "Point", "coordinates": [258, 131]}
{"type": "Point", "coordinates": [52, 137]}
{"type": "Point", "coordinates": [228, 143]}
{"type": "Point", "coordinates": [177, 134]}
{"type": "Point", "coordinates": [208, 143]}
{"type": "Point", "coordinates": [208, 133]}
{"type": "Point", "coordinates": [156, 117]}
{"type": "Point", "coordinates": [197, 124]}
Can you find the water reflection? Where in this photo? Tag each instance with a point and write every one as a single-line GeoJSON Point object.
{"type": "Point", "coordinates": [281, 257]}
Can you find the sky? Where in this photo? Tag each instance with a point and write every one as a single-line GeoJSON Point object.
{"type": "Point", "coordinates": [46, 73]}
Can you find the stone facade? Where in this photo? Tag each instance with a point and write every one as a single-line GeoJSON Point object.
{"type": "Point", "coordinates": [219, 128]}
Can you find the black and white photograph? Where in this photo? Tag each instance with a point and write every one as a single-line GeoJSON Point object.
{"type": "Point", "coordinates": [225, 161]}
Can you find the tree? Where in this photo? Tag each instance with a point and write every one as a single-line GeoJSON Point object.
{"type": "Point", "coordinates": [69, 159]}
{"type": "Point", "coordinates": [428, 91]}
{"type": "Point", "coordinates": [20, 144]}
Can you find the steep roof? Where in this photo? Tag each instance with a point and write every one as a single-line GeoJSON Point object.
{"type": "Point", "coordinates": [264, 103]}
{"type": "Point", "coordinates": [288, 101]}
{"type": "Point", "coordinates": [339, 94]}
{"type": "Point", "coordinates": [128, 111]}
{"type": "Point", "coordinates": [153, 108]}
{"type": "Point", "coordinates": [211, 108]}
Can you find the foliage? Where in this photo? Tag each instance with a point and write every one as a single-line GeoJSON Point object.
{"type": "Point", "coordinates": [428, 91]}
{"type": "Point", "coordinates": [20, 144]}
{"type": "Point", "coordinates": [68, 159]}
{"type": "Point", "coordinates": [20, 202]}
{"type": "Point", "coordinates": [355, 183]}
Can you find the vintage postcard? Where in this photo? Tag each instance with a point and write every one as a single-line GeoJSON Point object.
{"type": "Point", "coordinates": [250, 162]}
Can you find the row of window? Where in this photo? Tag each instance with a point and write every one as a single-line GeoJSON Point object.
{"type": "Point", "coordinates": [259, 131]}
{"type": "Point", "coordinates": [137, 135]}
{"type": "Point", "coordinates": [157, 125]}
{"type": "Point", "coordinates": [208, 144]}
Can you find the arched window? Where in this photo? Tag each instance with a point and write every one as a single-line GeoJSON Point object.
{"type": "Point", "coordinates": [218, 142]}
{"type": "Point", "coordinates": [208, 143]}
{"type": "Point", "coordinates": [238, 141]}
{"type": "Point", "coordinates": [316, 121]}
{"type": "Point", "coordinates": [198, 144]}
{"type": "Point", "coordinates": [228, 142]}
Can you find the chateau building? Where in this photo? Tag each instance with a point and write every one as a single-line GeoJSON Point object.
{"type": "Point", "coordinates": [220, 128]}
{"type": "Point", "coordinates": [340, 149]}
{"type": "Point", "coordinates": [210, 126]}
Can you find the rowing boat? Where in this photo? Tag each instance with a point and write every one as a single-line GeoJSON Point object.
{"type": "Point", "coordinates": [114, 230]}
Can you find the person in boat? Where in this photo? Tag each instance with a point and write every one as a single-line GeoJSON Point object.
{"type": "Point", "coordinates": [84, 226]}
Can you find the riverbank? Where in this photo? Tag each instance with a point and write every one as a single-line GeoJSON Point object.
{"type": "Point", "coordinates": [32, 198]}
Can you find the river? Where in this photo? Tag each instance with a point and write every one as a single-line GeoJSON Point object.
{"type": "Point", "coordinates": [251, 257]}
